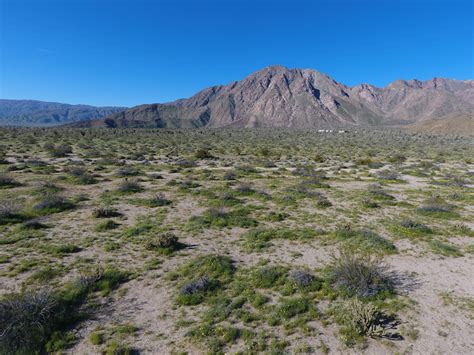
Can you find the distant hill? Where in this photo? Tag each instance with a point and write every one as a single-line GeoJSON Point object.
{"type": "Point", "coordinates": [39, 113]}
{"type": "Point", "coordinates": [303, 98]}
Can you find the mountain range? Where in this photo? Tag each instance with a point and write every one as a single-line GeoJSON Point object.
{"type": "Point", "coordinates": [304, 98]}
{"type": "Point", "coordinates": [40, 113]}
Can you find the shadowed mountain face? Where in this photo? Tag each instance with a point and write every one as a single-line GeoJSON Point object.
{"type": "Point", "coordinates": [303, 98]}
{"type": "Point", "coordinates": [39, 113]}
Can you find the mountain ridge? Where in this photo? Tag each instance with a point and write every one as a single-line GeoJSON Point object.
{"type": "Point", "coordinates": [276, 96]}
{"type": "Point", "coordinates": [44, 113]}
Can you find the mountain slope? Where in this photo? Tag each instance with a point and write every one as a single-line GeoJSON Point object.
{"type": "Point", "coordinates": [303, 98]}
{"type": "Point", "coordinates": [40, 113]}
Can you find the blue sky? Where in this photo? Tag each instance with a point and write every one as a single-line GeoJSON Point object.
{"type": "Point", "coordinates": [108, 52]}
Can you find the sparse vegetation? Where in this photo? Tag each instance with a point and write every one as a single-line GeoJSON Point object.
{"type": "Point", "coordinates": [226, 238]}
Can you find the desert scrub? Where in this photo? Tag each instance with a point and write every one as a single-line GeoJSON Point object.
{"type": "Point", "coordinates": [81, 176]}
{"type": "Point", "coordinates": [60, 249]}
{"type": "Point", "coordinates": [360, 274]}
{"type": "Point", "coordinates": [105, 212]}
{"type": "Point", "coordinates": [106, 226]}
{"type": "Point", "coordinates": [411, 228]}
{"type": "Point", "coordinates": [129, 187]}
{"type": "Point", "coordinates": [35, 321]}
{"type": "Point", "coordinates": [158, 200]}
{"type": "Point", "coordinates": [365, 240]}
{"type": "Point", "coordinates": [437, 208]}
{"type": "Point", "coordinates": [7, 181]}
{"type": "Point", "coordinates": [201, 277]}
{"type": "Point", "coordinates": [10, 213]}
{"type": "Point", "coordinates": [52, 203]}
{"type": "Point", "coordinates": [221, 218]}
{"type": "Point", "coordinates": [165, 243]}
{"type": "Point", "coordinates": [445, 249]}
{"type": "Point", "coordinates": [260, 239]}
{"type": "Point", "coordinates": [358, 319]}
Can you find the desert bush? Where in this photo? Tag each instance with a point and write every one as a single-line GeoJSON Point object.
{"type": "Point", "coordinates": [128, 171]}
{"type": "Point", "coordinates": [58, 151]}
{"type": "Point", "coordinates": [388, 175]}
{"type": "Point", "coordinates": [292, 307]}
{"type": "Point", "coordinates": [106, 225]}
{"type": "Point", "coordinates": [364, 239]}
{"type": "Point", "coordinates": [52, 203]}
{"type": "Point", "coordinates": [244, 188]}
{"type": "Point", "coordinates": [376, 192]}
{"type": "Point", "coordinates": [230, 175]}
{"type": "Point", "coordinates": [363, 275]}
{"type": "Point", "coordinates": [9, 212]}
{"type": "Point", "coordinates": [197, 285]}
{"type": "Point", "coordinates": [436, 207]}
{"type": "Point", "coordinates": [7, 181]}
{"type": "Point", "coordinates": [269, 276]}
{"type": "Point", "coordinates": [165, 242]}
{"type": "Point", "coordinates": [105, 212]}
{"type": "Point", "coordinates": [203, 276]}
{"type": "Point", "coordinates": [159, 200]}
{"type": "Point", "coordinates": [203, 153]}
{"type": "Point", "coordinates": [129, 186]}
{"type": "Point", "coordinates": [359, 319]}
{"type": "Point", "coordinates": [221, 217]}
{"type": "Point", "coordinates": [415, 226]}
{"type": "Point", "coordinates": [81, 176]}
{"type": "Point", "coordinates": [26, 321]}
{"type": "Point", "coordinates": [301, 278]}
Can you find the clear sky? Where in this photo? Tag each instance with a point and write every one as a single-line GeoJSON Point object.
{"type": "Point", "coordinates": [117, 52]}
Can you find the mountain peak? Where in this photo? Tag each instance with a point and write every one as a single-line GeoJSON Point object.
{"type": "Point", "coordinates": [276, 96]}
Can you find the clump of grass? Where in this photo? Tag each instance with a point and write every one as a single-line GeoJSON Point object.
{"type": "Point", "coordinates": [361, 274]}
{"type": "Point", "coordinates": [61, 249]}
{"type": "Point", "coordinates": [445, 249]}
{"type": "Point", "coordinates": [291, 307]}
{"type": "Point", "coordinates": [81, 176]}
{"type": "Point", "coordinates": [436, 207]}
{"type": "Point", "coordinates": [377, 193]}
{"type": "Point", "coordinates": [106, 225]}
{"type": "Point", "coordinates": [415, 227]}
{"type": "Point", "coordinates": [364, 239]}
{"type": "Point", "coordinates": [269, 276]}
{"type": "Point", "coordinates": [203, 276]}
{"type": "Point", "coordinates": [260, 239]}
{"type": "Point", "coordinates": [221, 217]}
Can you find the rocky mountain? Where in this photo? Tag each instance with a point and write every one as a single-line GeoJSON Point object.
{"type": "Point", "coordinates": [303, 98]}
{"type": "Point", "coordinates": [40, 113]}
